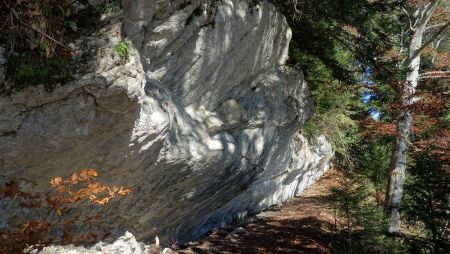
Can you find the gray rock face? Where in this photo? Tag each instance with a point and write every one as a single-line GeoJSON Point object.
{"type": "Point", "coordinates": [202, 121]}
{"type": "Point", "coordinates": [126, 244]}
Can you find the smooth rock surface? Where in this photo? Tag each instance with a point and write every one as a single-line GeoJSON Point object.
{"type": "Point", "coordinates": [202, 121]}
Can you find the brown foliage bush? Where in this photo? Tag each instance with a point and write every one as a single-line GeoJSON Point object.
{"type": "Point", "coordinates": [57, 210]}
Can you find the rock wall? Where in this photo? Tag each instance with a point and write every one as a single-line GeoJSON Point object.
{"type": "Point", "coordinates": [202, 120]}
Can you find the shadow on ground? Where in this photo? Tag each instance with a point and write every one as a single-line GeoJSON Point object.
{"type": "Point", "coordinates": [304, 225]}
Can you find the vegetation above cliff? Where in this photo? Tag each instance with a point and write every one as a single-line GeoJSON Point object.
{"type": "Point", "coordinates": [38, 35]}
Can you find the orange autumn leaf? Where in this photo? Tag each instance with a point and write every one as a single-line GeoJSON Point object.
{"type": "Point", "coordinates": [74, 178]}
{"type": "Point", "coordinates": [92, 172]}
{"type": "Point", "coordinates": [83, 174]}
{"type": "Point", "coordinates": [88, 173]}
{"type": "Point", "coordinates": [92, 198]}
{"type": "Point", "coordinates": [95, 188]}
{"type": "Point", "coordinates": [56, 182]}
{"type": "Point", "coordinates": [112, 192]}
{"type": "Point", "coordinates": [66, 194]}
{"type": "Point", "coordinates": [102, 201]}
{"type": "Point", "coordinates": [123, 191]}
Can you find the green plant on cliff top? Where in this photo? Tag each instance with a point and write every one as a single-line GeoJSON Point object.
{"type": "Point", "coordinates": [122, 50]}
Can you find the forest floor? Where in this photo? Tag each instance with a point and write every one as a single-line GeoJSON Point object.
{"type": "Point", "coordinates": [303, 225]}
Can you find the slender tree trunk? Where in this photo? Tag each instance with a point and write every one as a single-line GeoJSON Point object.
{"type": "Point", "coordinates": [349, 228]}
{"type": "Point", "coordinates": [335, 219]}
{"type": "Point", "coordinates": [398, 165]}
{"type": "Point", "coordinates": [419, 17]}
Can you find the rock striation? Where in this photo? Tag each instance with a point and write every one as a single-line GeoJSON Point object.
{"type": "Point", "coordinates": [202, 120]}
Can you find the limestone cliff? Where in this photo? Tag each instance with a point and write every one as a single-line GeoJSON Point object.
{"type": "Point", "coordinates": [202, 120]}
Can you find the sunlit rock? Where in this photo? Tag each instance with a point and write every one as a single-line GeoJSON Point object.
{"type": "Point", "coordinates": [202, 121]}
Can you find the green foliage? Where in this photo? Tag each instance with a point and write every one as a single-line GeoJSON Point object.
{"type": "Point", "coordinates": [446, 117]}
{"type": "Point", "coordinates": [29, 70]}
{"type": "Point", "coordinates": [373, 161]}
{"type": "Point", "coordinates": [122, 50]}
{"type": "Point", "coordinates": [426, 202]}
{"type": "Point", "coordinates": [72, 25]}
{"type": "Point", "coordinates": [344, 38]}
{"type": "Point", "coordinates": [336, 106]}
{"type": "Point", "coordinates": [335, 43]}
{"type": "Point", "coordinates": [339, 129]}
{"type": "Point", "coordinates": [360, 28]}
{"type": "Point", "coordinates": [108, 7]}
{"type": "Point", "coordinates": [365, 221]}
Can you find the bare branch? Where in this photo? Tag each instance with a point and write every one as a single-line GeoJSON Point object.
{"type": "Point", "coordinates": [409, 15]}
{"type": "Point", "coordinates": [435, 75]}
{"type": "Point", "coordinates": [419, 50]}
{"type": "Point", "coordinates": [39, 31]}
{"type": "Point", "coordinates": [435, 26]}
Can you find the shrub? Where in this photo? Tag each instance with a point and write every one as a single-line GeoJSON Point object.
{"type": "Point", "coordinates": [35, 25]}
{"type": "Point", "coordinates": [28, 69]}
{"type": "Point", "coordinates": [122, 50]}
{"type": "Point", "coordinates": [56, 215]}
{"type": "Point", "coordinates": [364, 220]}
{"type": "Point", "coordinates": [426, 202]}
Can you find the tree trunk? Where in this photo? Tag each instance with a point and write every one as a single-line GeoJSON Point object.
{"type": "Point", "coordinates": [349, 228]}
{"type": "Point", "coordinates": [419, 17]}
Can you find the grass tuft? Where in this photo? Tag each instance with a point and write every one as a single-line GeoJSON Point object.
{"type": "Point", "coordinates": [122, 50]}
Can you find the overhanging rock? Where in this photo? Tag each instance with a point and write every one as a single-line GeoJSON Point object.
{"type": "Point", "coordinates": [202, 121]}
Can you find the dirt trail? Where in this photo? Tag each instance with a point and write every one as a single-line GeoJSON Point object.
{"type": "Point", "coordinates": [303, 225]}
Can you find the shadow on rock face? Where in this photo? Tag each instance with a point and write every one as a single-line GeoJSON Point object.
{"type": "Point", "coordinates": [199, 122]}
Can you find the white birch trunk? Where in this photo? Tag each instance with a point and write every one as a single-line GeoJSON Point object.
{"type": "Point", "coordinates": [419, 18]}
